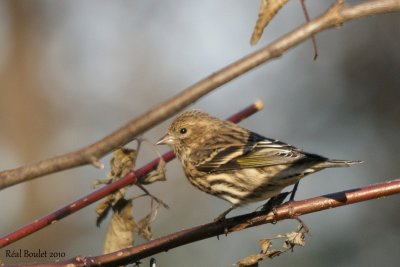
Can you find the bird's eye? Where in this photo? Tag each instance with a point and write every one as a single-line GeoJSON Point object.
{"type": "Point", "coordinates": [183, 130]}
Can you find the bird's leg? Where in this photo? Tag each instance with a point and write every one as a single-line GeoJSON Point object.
{"type": "Point", "coordinates": [274, 201]}
{"type": "Point", "coordinates": [278, 200]}
{"type": "Point", "coordinates": [294, 191]}
{"type": "Point", "coordinates": [221, 217]}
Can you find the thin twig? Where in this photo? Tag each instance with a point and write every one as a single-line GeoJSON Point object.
{"type": "Point", "coordinates": [286, 211]}
{"type": "Point", "coordinates": [307, 16]}
{"type": "Point", "coordinates": [130, 178]}
{"type": "Point", "coordinates": [334, 17]}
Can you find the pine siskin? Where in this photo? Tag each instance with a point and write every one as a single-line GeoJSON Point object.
{"type": "Point", "coordinates": [235, 164]}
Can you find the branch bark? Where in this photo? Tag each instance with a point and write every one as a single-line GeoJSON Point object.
{"type": "Point", "coordinates": [338, 14]}
{"type": "Point", "coordinates": [286, 211]}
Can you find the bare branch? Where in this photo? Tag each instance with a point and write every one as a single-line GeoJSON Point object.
{"type": "Point", "coordinates": [334, 17]}
{"type": "Point", "coordinates": [286, 211]}
{"type": "Point", "coordinates": [129, 179]}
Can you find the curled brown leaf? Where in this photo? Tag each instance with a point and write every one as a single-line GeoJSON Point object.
{"type": "Point", "coordinates": [121, 228]}
{"type": "Point", "coordinates": [122, 162]}
{"type": "Point", "coordinates": [267, 11]}
{"type": "Point", "coordinates": [156, 175]}
{"type": "Point", "coordinates": [143, 226]}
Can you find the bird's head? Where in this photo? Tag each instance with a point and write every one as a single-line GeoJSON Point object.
{"type": "Point", "coordinates": [189, 130]}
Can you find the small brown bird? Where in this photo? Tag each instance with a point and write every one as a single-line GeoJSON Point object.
{"type": "Point", "coordinates": [235, 164]}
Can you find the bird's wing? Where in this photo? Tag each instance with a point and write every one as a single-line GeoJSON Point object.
{"type": "Point", "coordinates": [257, 152]}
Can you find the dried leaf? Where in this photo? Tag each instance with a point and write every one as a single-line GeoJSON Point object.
{"type": "Point", "coordinates": [156, 175]}
{"type": "Point", "coordinates": [267, 11]}
{"type": "Point", "coordinates": [250, 261]}
{"type": "Point", "coordinates": [273, 253]}
{"type": "Point", "coordinates": [102, 210]}
{"type": "Point", "coordinates": [122, 162]}
{"type": "Point", "coordinates": [265, 244]}
{"type": "Point", "coordinates": [143, 226]}
{"type": "Point", "coordinates": [294, 239]}
{"type": "Point", "coordinates": [144, 229]}
{"type": "Point", "coordinates": [110, 201]}
{"type": "Point", "coordinates": [121, 228]}
{"type": "Point", "coordinates": [101, 181]}
{"type": "Point", "coordinates": [266, 250]}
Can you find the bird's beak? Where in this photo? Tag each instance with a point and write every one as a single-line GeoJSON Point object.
{"type": "Point", "coordinates": [165, 140]}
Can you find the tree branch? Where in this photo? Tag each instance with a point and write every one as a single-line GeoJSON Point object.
{"type": "Point", "coordinates": [334, 17]}
{"type": "Point", "coordinates": [238, 223]}
{"type": "Point", "coordinates": [131, 178]}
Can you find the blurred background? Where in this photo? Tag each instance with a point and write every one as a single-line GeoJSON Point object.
{"type": "Point", "coordinates": [71, 72]}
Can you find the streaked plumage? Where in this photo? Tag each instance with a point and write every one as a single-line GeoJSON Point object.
{"type": "Point", "coordinates": [235, 164]}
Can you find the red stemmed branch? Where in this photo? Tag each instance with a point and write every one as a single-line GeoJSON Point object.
{"type": "Point", "coordinates": [129, 179]}
{"type": "Point", "coordinates": [286, 211]}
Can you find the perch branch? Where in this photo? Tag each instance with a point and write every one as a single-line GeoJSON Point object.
{"type": "Point", "coordinates": [334, 17]}
{"type": "Point", "coordinates": [238, 223]}
{"type": "Point", "coordinates": [130, 178]}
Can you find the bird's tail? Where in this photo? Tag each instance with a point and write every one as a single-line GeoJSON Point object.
{"type": "Point", "coordinates": [332, 163]}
